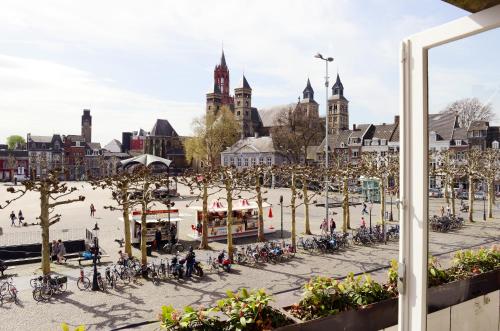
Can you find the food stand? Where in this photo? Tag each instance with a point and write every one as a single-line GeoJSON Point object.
{"type": "Point", "coordinates": [167, 219]}
{"type": "Point", "coordinates": [245, 220]}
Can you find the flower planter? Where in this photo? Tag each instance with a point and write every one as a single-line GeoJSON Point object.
{"type": "Point", "coordinates": [384, 314]}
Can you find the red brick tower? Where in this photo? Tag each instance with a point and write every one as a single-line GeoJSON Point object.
{"type": "Point", "coordinates": [221, 79]}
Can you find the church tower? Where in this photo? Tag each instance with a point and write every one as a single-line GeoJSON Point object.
{"type": "Point", "coordinates": [220, 95]}
{"type": "Point", "coordinates": [243, 107]}
{"type": "Point", "coordinates": [338, 111]}
{"type": "Point", "coordinates": [87, 126]}
{"type": "Point", "coordinates": [308, 105]}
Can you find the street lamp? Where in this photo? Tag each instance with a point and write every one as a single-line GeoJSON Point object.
{"type": "Point", "coordinates": [95, 231]}
{"type": "Point", "coordinates": [371, 206]}
{"type": "Point", "coordinates": [484, 201]}
{"type": "Point", "coordinates": [391, 219]}
{"type": "Point", "coordinates": [327, 59]}
{"type": "Point", "coordinates": [281, 215]}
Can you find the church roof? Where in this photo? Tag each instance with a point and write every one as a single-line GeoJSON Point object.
{"type": "Point", "coordinates": [338, 83]}
{"type": "Point", "coordinates": [113, 146]}
{"type": "Point", "coordinates": [269, 115]}
{"type": "Point", "coordinates": [253, 144]}
{"type": "Point", "coordinates": [162, 128]}
{"type": "Point", "coordinates": [223, 60]}
{"type": "Point", "coordinates": [308, 91]}
{"type": "Point", "coordinates": [244, 83]}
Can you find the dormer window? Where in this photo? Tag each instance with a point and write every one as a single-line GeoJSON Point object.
{"type": "Point", "coordinates": [458, 142]}
{"type": "Point", "coordinates": [495, 144]}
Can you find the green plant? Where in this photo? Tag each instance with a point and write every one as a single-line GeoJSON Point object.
{"type": "Point", "coordinates": [392, 273]}
{"type": "Point", "coordinates": [363, 291]}
{"type": "Point", "coordinates": [322, 297]}
{"type": "Point", "coordinates": [436, 275]}
{"type": "Point", "coordinates": [468, 263]}
{"type": "Point", "coordinates": [250, 311]}
{"type": "Point", "coordinates": [189, 319]}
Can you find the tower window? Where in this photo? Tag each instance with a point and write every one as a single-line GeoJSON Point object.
{"type": "Point", "coordinates": [246, 113]}
{"type": "Point", "coordinates": [246, 103]}
{"type": "Point", "coordinates": [238, 103]}
{"type": "Point", "coordinates": [209, 107]}
{"type": "Point", "coordinates": [238, 113]}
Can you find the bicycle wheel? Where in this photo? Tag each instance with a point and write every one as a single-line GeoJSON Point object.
{"type": "Point", "coordinates": [101, 284]}
{"type": "Point", "coordinates": [46, 292]}
{"type": "Point", "coordinates": [125, 276]}
{"type": "Point", "coordinates": [83, 283]}
{"type": "Point", "coordinates": [179, 247]}
{"type": "Point", "coordinates": [37, 294]}
{"type": "Point", "coordinates": [62, 287]}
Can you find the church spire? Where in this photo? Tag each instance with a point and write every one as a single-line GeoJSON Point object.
{"type": "Point", "coordinates": [223, 60]}
{"type": "Point", "coordinates": [308, 92]}
{"type": "Point", "coordinates": [338, 88]}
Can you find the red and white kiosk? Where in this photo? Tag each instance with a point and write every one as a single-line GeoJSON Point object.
{"type": "Point", "coordinates": [167, 219]}
{"type": "Point", "coordinates": [245, 217]}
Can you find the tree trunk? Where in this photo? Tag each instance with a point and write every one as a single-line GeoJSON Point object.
{"type": "Point", "coordinates": [345, 206]}
{"type": "Point", "coordinates": [446, 193]}
{"type": "Point", "coordinates": [229, 224]}
{"type": "Point", "coordinates": [144, 230]}
{"type": "Point", "coordinates": [382, 204]}
{"type": "Point", "coordinates": [260, 221]}
{"type": "Point", "coordinates": [126, 222]}
{"type": "Point", "coordinates": [471, 199]}
{"type": "Point", "coordinates": [44, 223]}
{"type": "Point", "coordinates": [292, 205]}
{"type": "Point", "coordinates": [204, 233]}
{"type": "Point", "coordinates": [452, 185]}
{"type": "Point", "coordinates": [306, 207]}
{"type": "Point", "coordinates": [491, 197]}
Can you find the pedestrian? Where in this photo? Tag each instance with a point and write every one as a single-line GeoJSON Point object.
{"type": "Point", "coordinates": [92, 210]}
{"type": "Point", "coordinates": [20, 217]}
{"type": "Point", "coordinates": [122, 258]}
{"type": "Point", "coordinates": [13, 219]}
{"type": "Point", "coordinates": [199, 228]}
{"type": "Point", "coordinates": [61, 251]}
{"type": "Point", "coordinates": [364, 211]}
{"type": "Point", "coordinates": [158, 239]}
{"type": "Point", "coordinates": [448, 210]}
{"type": "Point", "coordinates": [324, 226]}
{"type": "Point", "coordinates": [333, 226]}
{"type": "Point", "coordinates": [54, 251]}
{"type": "Point", "coordinates": [363, 223]}
{"type": "Point", "coordinates": [173, 233]}
{"type": "Point", "coordinates": [442, 211]}
{"type": "Point", "coordinates": [190, 261]}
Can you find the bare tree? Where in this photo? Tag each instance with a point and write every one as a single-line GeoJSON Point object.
{"type": "Point", "coordinates": [470, 110]}
{"type": "Point", "coordinates": [471, 168]}
{"type": "Point", "coordinates": [294, 131]}
{"type": "Point", "coordinates": [309, 176]}
{"type": "Point", "coordinates": [51, 192]}
{"type": "Point", "coordinates": [199, 184]}
{"type": "Point", "coordinates": [448, 168]}
{"type": "Point", "coordinates": [491, 172]}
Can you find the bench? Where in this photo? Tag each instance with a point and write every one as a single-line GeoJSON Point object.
{"type": "Point", "coordinates": [81, 259]}
{"type": "Point", "coordinates": [2, 270]}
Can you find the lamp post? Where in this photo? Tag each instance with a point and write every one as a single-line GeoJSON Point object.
{"type": "Point", "coordinates": [371, 206]}
{"type": "Point", "coordinates": [484, 201]}
{"type": "Point", "coordinates": [281, 215]}
{"type": "Point", "coordinates": [391, 219]}
{"type": "Point", "coordinates": [327, 59]}
{"type": "Point", "coordinates": [95, 230]}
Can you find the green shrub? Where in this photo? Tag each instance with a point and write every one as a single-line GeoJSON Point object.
{"type": "Point", "coordinates": [469, 263]}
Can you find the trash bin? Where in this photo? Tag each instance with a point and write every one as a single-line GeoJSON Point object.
{"type": "Point", "coordinates": [149, 250]}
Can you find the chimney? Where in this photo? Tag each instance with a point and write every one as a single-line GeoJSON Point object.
{"type": "Point", "coordinates": [396, 119]}
{"type": "Point", "coordinates": [354, 127]}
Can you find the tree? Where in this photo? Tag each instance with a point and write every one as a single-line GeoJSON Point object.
{"type": "Point", "coordinates": [471, 168]}
{"type": "Point", "coordinates": [382, 168]}
{"type": "Point", "coordinates": [290, 173]}
{"type": "Point", "coordinates": [294, 131]}
{"type": "Point", "coordinates": [448, 168]}
{"type": "Point", "coordinates": [491, 172]}
{"type": "Point", "coordinates": [199, 184]}
{"type": "Point", "coordinates": [470, 110]}
{"type": "Point", "coordinates": [14, 141]}
{"type": "Point", "coordinates": [212, 134]}
{"type": "Point", "coordinates": [121, 192]}
{"type": "Point", "coordinates": [51, 191]}
{"type": "Point", "coordinates": [309, 176]}
{"type": "Point", "coordinates": [143, 194]}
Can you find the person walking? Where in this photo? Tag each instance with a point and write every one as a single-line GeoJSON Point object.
{"type": "Point", "coordinates": [61, 252]}
{"type": "Point", "coordinates": [54, 251]}
{"type": "Point", "coordinates": [364, 211]}
{"type": "Point", "coordinates": [363, 223]}
{"type": "Point", "coordinates": [448, 211]}
{"type": "Point", "coordinates": [92, 210]}
{"type": "Point", "coordinates": [158, 239]}
{"type": "Point", "coordinates": [333, 226]}
{"type": "Point", "coordinates": [173, 234]}
{"type": "Point", "coordinates": [324, 226]}
{"type": "Point", "coordinates": [20, 217]}
{"type": "Point", "coordinates": [190, 256]}
{"type": "Point", "coordinates": [13, 219]}
{"type": "Point", "coordinates": [442, 211]}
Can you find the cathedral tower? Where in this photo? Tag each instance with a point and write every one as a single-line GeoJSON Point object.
{"type": "Point", "coordinates": [243, 107]}
{"type": "Point", "coordinates": [87, 126]}
{"type": "Point", "coordinates": [220, 95]}
{"type": "Point", "coordinates": [308, 105]}
{"type": "Point", "coordinates": [338, 111]}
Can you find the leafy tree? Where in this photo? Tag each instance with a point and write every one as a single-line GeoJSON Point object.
{"type": "Point", "coordinates": [294, 131]}
{"type": "Point", "coordinates": [212, 134]}
{"type": "Point", "coordinates": [15, 140]}
{"type": "Point", "coordinates": [51, 192]}
{"type": "Point", "coordinates": [470, 110]}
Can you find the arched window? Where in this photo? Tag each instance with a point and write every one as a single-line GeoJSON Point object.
{"type": "Point", "coordinates": [494, 144]}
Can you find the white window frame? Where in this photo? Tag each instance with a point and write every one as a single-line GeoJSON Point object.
{"type": "Point", "coordinates": [414, 106]}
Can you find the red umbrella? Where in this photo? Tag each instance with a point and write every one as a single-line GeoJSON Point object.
{"type": "Point", "coordinates": [270, 213]}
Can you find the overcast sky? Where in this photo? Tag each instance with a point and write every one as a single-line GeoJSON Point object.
{"type": "Point", "coordinates": [131, 62]}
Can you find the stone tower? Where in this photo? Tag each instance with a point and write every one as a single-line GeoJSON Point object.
{"type": "Point", "coordinates": [243, 107]}
{"type": "Point", "coordinates": [87, 126]}
{"type": "Point", "coordinates": [308, 105]}
{"type": "Point", "coordinates": [220, 95]}
{"type": "Point", "coordinates": [338, 111]}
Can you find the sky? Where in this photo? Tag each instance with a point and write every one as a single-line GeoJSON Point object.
{"type": "Point", "coordinates": [131, 62]}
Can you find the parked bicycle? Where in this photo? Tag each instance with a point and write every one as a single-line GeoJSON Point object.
{"type": "Point", "coordinates": [8, 289]}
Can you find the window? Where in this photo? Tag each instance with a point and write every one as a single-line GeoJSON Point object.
{"type": "Point", "coordinates": [239, 162]}
{"type": "Point", "coordinates": [355, 153]}
{"type": "Point", "coordinates": [238, 113]}
{"type": "Point", "coordinates": [246, 112]}
{"type": "Point", "coordinates": [225, 160]}
{"type": "Point", "coordinates": [246, 162]}
{"type": "Point", "coordinates": [246, 103]}
{"type": "Point", "coordinates": [261, 160]}
{"type": "Point", "coordinates": [232, 161]}
{"type": "Point", "coordinates": [458, 142]}
{"type": "Point", "coordinates": [238, 103]}
{"type": "Point", "coordinates": [269, 160]}
{"type": "Point", "coordinates": [253, 161]}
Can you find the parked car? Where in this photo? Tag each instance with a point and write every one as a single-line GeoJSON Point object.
{"type": "Point", "coordinates": [463, 195]}
{"type": "Point", "coordinates": [355, 189]}
{"type": "Point", "coordinates": [435, 193]}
